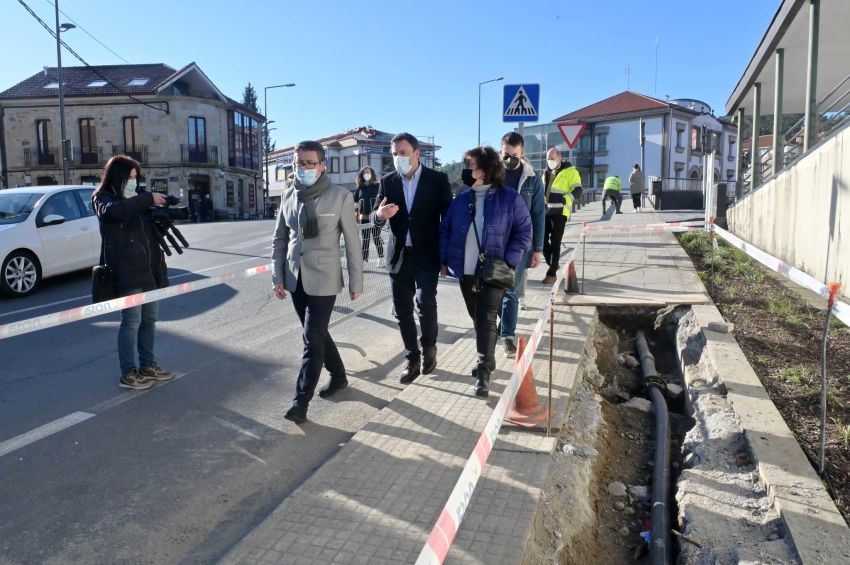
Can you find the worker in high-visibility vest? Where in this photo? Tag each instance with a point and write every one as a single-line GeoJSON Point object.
{"type": "Point", "coordinates": [561, 181]}
{"type": "Point", "coordinates": [612, 190]}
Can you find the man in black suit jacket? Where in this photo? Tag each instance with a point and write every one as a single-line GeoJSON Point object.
{"type": "Point", "coordinates": [414, 199]}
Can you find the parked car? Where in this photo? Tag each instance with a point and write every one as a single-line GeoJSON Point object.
{"type": "Point", "coordinates": [45, 231]}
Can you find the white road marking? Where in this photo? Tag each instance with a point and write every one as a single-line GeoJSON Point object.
{"type": "Point", "coordinates": [42, 432]}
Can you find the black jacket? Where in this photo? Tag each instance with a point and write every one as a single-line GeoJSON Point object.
{"type": "Point", "coordinates": [367, 195]}
{"type": "Point", "coordinates": [430, 204]}
{"type": "Point", "coordinates": [129, 244]}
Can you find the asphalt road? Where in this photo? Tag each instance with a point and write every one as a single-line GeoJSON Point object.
{"type": "Point", "coordinates": [91, 473]}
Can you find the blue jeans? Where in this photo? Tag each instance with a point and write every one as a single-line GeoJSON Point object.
{"type": "Point", "coordinates": [510, 305]}
{"type": "Point", "coordinates": [138, 325]}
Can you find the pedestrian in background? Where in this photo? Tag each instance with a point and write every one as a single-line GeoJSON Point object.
{"type": "Point", "coordinates": [636, 187]}
{"type": "Point", "coordinates": [414, 199]}
{"type": "Point", "coordinates": [306, 263]}
{"type": "Point", "coordinates": [365, 201]}
{"type": "Point", "coordinates": [612, 188]}
{"type": "Point", "coordinates": [560, 180]}
{"type": "Point", "coordinates": [131, 251]}
{"type": "Point", "coordinates": [490, 221]}
{"type": "Point", "coordinates": [520, 175]}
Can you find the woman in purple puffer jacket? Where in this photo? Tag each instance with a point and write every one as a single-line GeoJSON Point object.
{"type": "Point", "coordinates": [503, 227]}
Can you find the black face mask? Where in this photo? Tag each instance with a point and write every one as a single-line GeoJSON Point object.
{"type": "Point", "coordinates": [466, 177]}
{"type": "Point", "coordinates": [511, 162]}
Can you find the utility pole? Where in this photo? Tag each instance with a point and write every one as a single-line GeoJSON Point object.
{"type": "Point", "coordinates": [266, 136]}
{"type": "Point", "coordinates": [479, 105]}
{"type": "Point", "coordinates": [65, 145]}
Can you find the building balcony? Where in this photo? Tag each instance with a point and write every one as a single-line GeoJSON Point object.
{"type": "Point", "coordinates": [35, 158]}
{"type": "Point", "coordinates": [137, 152]}
{"type": "Point", "coordinates": [199, 154]}
{"type": "Point", "coordinates": [87, 156]}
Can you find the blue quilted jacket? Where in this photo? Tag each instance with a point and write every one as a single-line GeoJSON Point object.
{"type": "Point", "coordinates": [506, 234]}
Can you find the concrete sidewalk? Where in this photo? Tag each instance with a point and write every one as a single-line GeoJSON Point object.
{"type": "Point", "coordinates": [378, 498]}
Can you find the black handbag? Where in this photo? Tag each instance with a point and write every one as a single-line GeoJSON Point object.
{"type": "Point", "coordinates": [492, 270]}
{"type": "Point", "coordinates": [102, 280]}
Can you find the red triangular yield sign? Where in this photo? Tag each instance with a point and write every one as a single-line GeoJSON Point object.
{"type": "Point", "coordinates": [572, 132]}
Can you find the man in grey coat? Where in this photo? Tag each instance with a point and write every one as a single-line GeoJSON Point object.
{"type": "Point", "coordinates": [307, 264]}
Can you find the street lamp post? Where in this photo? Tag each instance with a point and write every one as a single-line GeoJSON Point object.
{"type": "Point", "coordinates": [479, 104]}
{"type": "Point", "coordinates": [64, 145]}
{"type": "Point", "coordinates": [265, 136]}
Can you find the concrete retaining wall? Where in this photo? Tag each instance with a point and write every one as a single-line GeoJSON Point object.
{"type": "Point", "coordinates": [797, 216]}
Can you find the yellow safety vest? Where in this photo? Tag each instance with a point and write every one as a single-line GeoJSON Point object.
{"type": "Point", "coordinates": [613, 183]}
{"type": "Point", "coordinates": [564, 183]}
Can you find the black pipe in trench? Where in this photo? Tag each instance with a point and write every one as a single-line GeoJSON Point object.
{"type": "Point", "coordinates": [659, 548]}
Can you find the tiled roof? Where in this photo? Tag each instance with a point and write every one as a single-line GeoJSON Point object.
{"type": "Point", "coordinates": [623, 103]}
{"type": "Point", "coordinates": [370, 133]}
{"type": "Point", "coordinates": [77, 79]}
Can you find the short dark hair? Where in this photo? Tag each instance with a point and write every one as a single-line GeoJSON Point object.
{"type": "Point", "coordinates": [116, 173]}
{"type": "Point", "coordinates": [408, 137]}
{"type": "Point", "coordinates": [490, 162]}
{"type": "Point", "coordinates": [637, 166]}
{"type": "Point", "coordinates": [311, 146]}
{"type": "Point", "coordinates": [513, 139]}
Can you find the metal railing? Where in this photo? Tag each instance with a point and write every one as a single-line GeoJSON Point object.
{"type": "Point", "coordinates": [676, 183]}
{"type": "Point", "coordinates": [137, 152]}
{"type": "Point", "coordinates": [199, 154]}
{"type": "Point", "coordinates": [34, 157]}
{"type": "Point", "coordinates": [87, 155]}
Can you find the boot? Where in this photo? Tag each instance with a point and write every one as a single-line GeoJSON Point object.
{"type": "Point", "coordinates": [482, 387]}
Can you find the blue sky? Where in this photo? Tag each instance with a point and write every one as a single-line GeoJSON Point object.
{"type": "Point", "coordinates": [411, 66]}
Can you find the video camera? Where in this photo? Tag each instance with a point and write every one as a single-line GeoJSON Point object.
{"type": "Point", "coordinates": [164, 226]}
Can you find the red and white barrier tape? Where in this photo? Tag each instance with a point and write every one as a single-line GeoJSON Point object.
{"type": "Point", "coordinates": [840, 309]}
{"type": "Point", "coordinates": [446, 527]}
{"type": "Point", "coordinates": [668, 226]}
{"type": "Point", "coordinates": [118, 304]}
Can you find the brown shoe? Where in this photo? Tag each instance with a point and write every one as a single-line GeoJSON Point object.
{"type": "Point", "coordinates": [156, 373]}
{"type": "Point", "coordinates": [549, 279]}
{"type": "Point", "coordinates": [135, 381]}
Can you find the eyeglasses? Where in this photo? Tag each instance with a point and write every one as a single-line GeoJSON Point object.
{"type": "Point", "coordinates": [308, 164]}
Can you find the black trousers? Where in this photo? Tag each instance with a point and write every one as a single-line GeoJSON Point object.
{"type": "Point", "coordinates": [408, 284]}
{"type": "Point", "coordinates": [319, 349]}
{"type": "Point", "coordinates": [552, 236]}
{"type": "Point", "coordinates": [636, 200]}
{"type": "Point", "coordinates": [482, 307]}
{"type": "Point", "coordinates": [615, 197]}
{"type": "Point", "coordinates": [372, 234]}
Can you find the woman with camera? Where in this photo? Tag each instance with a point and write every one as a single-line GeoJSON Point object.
{"type": "Point", "coordinates": [484, 235]}
{"type": "Point", "coordinates": [131, 251]}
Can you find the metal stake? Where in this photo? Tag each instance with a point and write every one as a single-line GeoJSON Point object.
{"type": "Point", "coordinates": [551, 353]}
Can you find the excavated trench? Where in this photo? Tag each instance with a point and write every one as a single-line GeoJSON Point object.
{"type": "Point", "coordinates": [597, 501]}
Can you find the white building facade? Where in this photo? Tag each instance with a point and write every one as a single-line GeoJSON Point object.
{"type": "Point", "coordinates": [610, 145]}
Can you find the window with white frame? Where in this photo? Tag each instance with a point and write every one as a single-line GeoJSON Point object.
{"type": "Point", "coordinates": [602, 142]}
{"type": "Point", "coordinates": [680, 136]}
{"type": "Point", "coordinates": [732, 146]}
{"type": "Point", "coordinates": [351, 163]}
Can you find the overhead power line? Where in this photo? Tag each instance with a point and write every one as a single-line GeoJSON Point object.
{"type": "Point", "coordinates": [83, 61]}
{"type": "Point", "coordinates": [87, 33]}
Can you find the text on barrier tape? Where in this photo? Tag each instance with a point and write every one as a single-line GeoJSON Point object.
{"type": "Point", "coordinates": [118, 304]}
{"type": "Point", "coordinates": [447, 524]}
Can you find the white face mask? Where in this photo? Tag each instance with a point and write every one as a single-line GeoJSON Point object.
{"type": "Point", "coordinates": [367, 176]}
{"type": "Point", "coordinates": [402, 164]}
{"type": "Point", "coordinates": [130, 188]}
{"type": "Point", "coordinates": [553, 163]}
{"type": "Point", "coordinates": [307, 177]}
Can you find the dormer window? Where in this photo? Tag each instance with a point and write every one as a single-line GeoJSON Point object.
{"type": "Point", "coordinates": [138, 82]}
{"type": "Point", "coordinates": [97, 83]}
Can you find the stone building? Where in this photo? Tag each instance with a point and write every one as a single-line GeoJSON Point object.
{"type": "Point", "coordinates": [191, 139]}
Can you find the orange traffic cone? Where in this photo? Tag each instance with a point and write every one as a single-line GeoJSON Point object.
{"type": "Point", "coordinates": [527, 409]}
{"type": "Point", "coordinates": [572, 279]}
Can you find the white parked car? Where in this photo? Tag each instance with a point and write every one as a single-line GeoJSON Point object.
{"type": "Point", "coordinates": [45, 231]}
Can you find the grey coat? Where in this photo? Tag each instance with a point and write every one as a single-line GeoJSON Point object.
{"type": "Point", "coordinates": [636, 182]}
{"type": "Point", "coordinates": [318, 259]}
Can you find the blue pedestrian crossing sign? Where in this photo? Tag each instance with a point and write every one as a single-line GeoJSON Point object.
{"type": "Point", "coordinates": [521, 103]}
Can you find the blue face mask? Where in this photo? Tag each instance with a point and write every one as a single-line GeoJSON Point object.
{"type": "Point", "coordinates": [307, 177]}
{"type": "Point", "coordinates": [130, 188]}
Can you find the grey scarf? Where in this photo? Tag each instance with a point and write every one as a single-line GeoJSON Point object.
{"type": "Point", "coordinates": [307, 196]}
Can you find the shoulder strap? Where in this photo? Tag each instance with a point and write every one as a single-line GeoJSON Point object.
{"type": "Point", "coordinates": [482, 256]}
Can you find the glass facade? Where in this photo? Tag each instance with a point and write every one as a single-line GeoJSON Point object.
{"type": "Point", "coordinates": [243, 136]}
